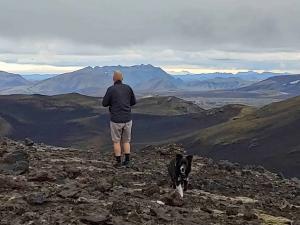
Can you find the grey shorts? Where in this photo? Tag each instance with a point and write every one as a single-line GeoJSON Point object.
{"type": "Point", "coordinates": [121, 131]}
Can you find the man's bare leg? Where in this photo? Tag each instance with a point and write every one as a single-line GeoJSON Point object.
{"type": "Point", "coordinates": [117, 151]}
{"type": "Point", "coordinates": [126, 146]}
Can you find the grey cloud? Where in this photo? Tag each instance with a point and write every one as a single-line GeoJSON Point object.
{"type": "Point", "coordinates": [77, 32]}
{"type": "Point", "coordinates": [193, 24]}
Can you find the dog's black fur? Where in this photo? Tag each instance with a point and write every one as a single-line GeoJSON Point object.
{"type": "Point", "coordinates": [179, 170]}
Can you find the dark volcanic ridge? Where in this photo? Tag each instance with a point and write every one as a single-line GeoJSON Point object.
{"type": "Point", "coordinates": [265, 136]}
{"type": "Point", "coordinates": [80, 121]}
{"type": "Point", "coordinates": [48, 185]}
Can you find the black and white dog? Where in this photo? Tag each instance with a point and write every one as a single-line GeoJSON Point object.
{"type": "Point", "coordinates": [179, 170]}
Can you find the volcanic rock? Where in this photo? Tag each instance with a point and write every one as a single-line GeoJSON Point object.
{"type": "Point", "coordinates": [173, 199]}
{"type": "Point", "coordinates": [120, 208]}
{"type": "Point", "coordinates": [10, 183]}
{"type": "Point", "coordinates": [36, 198]}
{"type": "Point", "coordinates": [15, 162]}
{"type": "Point", "coordinates": [103, 185]}
{"type": "Point", "coordinates": [15, 156]}
{"type": "Point", "coordinates": [69, 193]}
{"type": "Point", "coordinates": [226, 165]}
{"type": "Point", "coordinates": [151, 190]}
{"type": "Point", "coordinates": [69, 186]}
{"type": "Point", "coordinates": [160, 214]}
{"type": "Point", "coordinates": [103, 219]}
{"type": "Point", "coordinates": [72, 172]}
{"type": "Point", "coordinates": [250, 215]}
{"type": "Point", "coordinates": [232, 211]}
{"type": "Point", "coordinates": [41, 176]}
{"type": "Point", "coordinates": [28, 142]}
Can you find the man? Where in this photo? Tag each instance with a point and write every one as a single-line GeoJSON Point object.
{"type": "Point", "coordinates": [120, 98]}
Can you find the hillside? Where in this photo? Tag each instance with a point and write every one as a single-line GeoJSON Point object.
{"type": "Point", "coordinates": [10, 80]}
{"type": "Point", "coordinates": [49, 185]}
{"type": "Point", "coordinates": [218, 83]}
{"type": "Point", "coordinates": [246, 76]}
{"type": "Point", "coordinates": [279, 85]}
{"type": "Point", "coordinates": [167, 105]}
{"type": "Point", "coordinates": [4, 127]}
{"type": "Point", "coordinates": [77, 120]}
{"type": "Point", "coordinates": [267, 136]}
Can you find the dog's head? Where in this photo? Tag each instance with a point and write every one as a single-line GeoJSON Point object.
{"type": "Point", "coordinates": [183, 165]}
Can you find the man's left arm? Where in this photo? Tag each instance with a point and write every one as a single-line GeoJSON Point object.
{"type": "Point", "coordinates": [107, 98]}
{"type": "Point", "coordinates": [132, 98]}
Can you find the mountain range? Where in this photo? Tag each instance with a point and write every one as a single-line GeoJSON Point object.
{"type": "Point", "coordinates": [38, 77]}
{"type": "Point", "coordinates": [94, 81]}
{"type": "Point", "coordinates": [278, 85]}
{"type": "Point", "coordinates": [218, 83]}
{"type": "Point", "coordinates": [11, 80]}
{"type": "Point", "coordinates": [248, 76]}
{"type": "Point", "coordinates": [144, 79]}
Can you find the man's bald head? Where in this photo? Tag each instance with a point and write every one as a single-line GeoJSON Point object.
{"type": "Point", "coordinates": [118, 76]}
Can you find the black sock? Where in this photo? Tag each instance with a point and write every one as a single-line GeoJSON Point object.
{"type": "Point", "coordinates": [127, 157]}
{"type": "Point", "coordinates": [118, 159]}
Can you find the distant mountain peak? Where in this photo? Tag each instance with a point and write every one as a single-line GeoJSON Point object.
{"type": "Point", "coordinates": [118, 67]}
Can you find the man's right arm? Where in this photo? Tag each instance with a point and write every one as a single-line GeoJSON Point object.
{"type": "Point", "coordinates": [107, 98]}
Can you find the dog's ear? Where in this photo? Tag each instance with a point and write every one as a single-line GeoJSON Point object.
{"type": "Point", "coordinates": [189, 158]}
{"type": "Point", "coordinates": [189, 166]}
{"type": "Point", "coordinates": [179, 156]}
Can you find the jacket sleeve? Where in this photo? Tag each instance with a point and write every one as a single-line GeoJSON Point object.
{"type": "Point", "coordinates": [132, 98]}
{"type": "Point", "coordinates": [107, 98]}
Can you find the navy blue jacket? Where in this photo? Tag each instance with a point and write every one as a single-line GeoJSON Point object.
{"type": "Point", "coordinates": [119, 98]}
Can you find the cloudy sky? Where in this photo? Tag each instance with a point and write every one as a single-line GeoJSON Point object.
{"type": "Point", "coordinates": [54, 36]}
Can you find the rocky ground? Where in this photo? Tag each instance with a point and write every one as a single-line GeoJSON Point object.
{"type": "Point", "coordinates": [40, 184]}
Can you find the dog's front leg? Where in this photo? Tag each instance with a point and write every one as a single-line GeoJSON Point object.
{"type": "Point", "coordinates": [173, 184]}
{"type": "Point", "coordinates": [185, 185]}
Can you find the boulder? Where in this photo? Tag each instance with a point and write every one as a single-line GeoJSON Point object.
{"type": "Point", "coordinates": [160, 214]}
{"type": "Point", "coordinates": [37, 198]}
{"type": "Point", "coordinates": [103, 185]}
{"type": "Point", "coordinates": [8, 182]}
{"type": "Point", "coordinates": [28, 142]}
{"type": "Point", "coordinates": [249, 215]}
{"type": "Point", "coordinates": [173, 199]}
{"type": "Point", "coordinates": [97, 219]}
{"type": "Point", "coordinates": [151, 190]}
{"type": "Point", "coordinates": [15, 156]}
{"type": "Point", "coordinates": [15, 163]}
{"type": "Point", "coordinates": [119, 208]}
{"type": "Point", "coordinates": [72, 172]}
{"type": "Point", "coordinates": [69, 193]}
{"type": "Point", "coordinates": [232, 211]}
{"type": "Point", "coordinates": [226, 165]}
{"type": "Point", "coordinates": [41, 176]}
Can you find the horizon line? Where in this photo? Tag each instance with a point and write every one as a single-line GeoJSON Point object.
{"type": "Point", "coordinates": [33, 69]}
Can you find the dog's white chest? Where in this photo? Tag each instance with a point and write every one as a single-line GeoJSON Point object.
{"type": "Point", "coordinates": [180, 190]}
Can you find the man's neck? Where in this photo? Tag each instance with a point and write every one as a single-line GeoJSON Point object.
{"type": "Point", "coordinates": [118, 82]}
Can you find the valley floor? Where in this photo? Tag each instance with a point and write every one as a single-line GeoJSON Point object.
{"type": "Point", "coordinates": [213, 102]}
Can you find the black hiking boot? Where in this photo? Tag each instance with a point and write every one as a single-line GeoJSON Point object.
{"type": "Point", "coordinates": [127, 164]}
{"type": "Point", "coordinates": [118, 165]}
